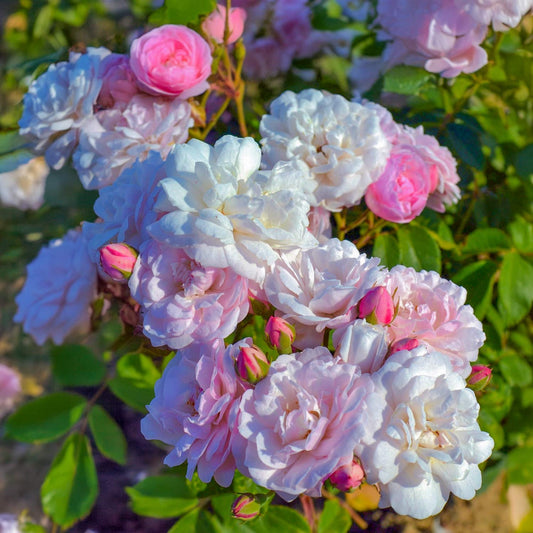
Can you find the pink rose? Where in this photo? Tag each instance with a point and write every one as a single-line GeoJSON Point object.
{"type": "Point", "coordinates": [171, 60]}
{"type": "Point", "coordinates": [401, 192]}
{"type": "Point", "coordinates": [215, 23]}
{"type": "Point", "coordinates": [118, 82]}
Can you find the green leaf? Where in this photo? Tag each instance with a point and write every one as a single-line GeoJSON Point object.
{"type": "Point", "coordinates": [281, 518]}
{"type": "Point", "coordinates": [135, 380]}
{"type": "Point", "coordinates": [515, 288]}
{"type": "Point", "coordinates": [488, 423]}
{"type": "Point", "coordinates": [466, 143]}
{"type": "Point", "coordinates": [327, 16]}
{"type": "Point", "coordinates": [520, 466]}
{"type": "Point", "coordinates": [43, 22]}
{"type": "Point", "coordinates": [196, 521]}
{"type": "Point", "coordinates": [107, 435]}
{"type": "Point", "coordinates": [182, 12]}
{"type": "Point", "coordinates": [486, 240]}
{"type": "Point", "coordinates": [522, 234]}
{"type": "Point", "coordinates": [10, 141]}
{"type": "Point", "coordinates": [334, 518]}
{"type": "Point", "coordinates": [162, 497]}
{"type": "Point", "coordinates": [46, 418]}
{"type": "Point", "coordinates": [76, 366]}
{"type": "Point", "coordinates": [524, 162]}
{"type": "Point", "coordinates": [71, 486]}
{"type": "Point", "coordinates": [516, 371]}
{"type": "Point", "coordinates": [478, 280]}
{"type": "Point", "coordinates": [28, 527]}
{"type": "Point", "coordinates": [387, 249]}
{"type": "Point", "coordinates": [418, 249]}
{"type": "Point", "coordinates": [403, 79]}
{"type": "Point", "coordinates": [12, 160]}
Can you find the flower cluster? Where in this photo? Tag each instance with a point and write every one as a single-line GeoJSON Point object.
{"type": "Point", "coordinates": [277, 32]}
{"type": "Point", "coordinates": [107, 110]}
{"type": "Point", "coordinates": [443, 36]}
{"type": "Point", "coordinates": [389, 399]}
{"type": "Point", "coordinates": [354, 150]}
{"type": "Point", "coordinates": [367, 367]}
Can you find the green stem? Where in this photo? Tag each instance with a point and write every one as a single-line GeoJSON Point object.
{"type": "Point", "coordinates": [214, 119]}
{"type": "Point", "coordinates": [365, 239]}
{"type": "Point", "coordinates": [356, 517]}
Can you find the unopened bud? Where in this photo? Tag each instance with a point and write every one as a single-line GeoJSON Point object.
{"type": "Point", "coordinates": [246, 507]}
{"type": "Point", "coordinates": [404, 344]}
{"type": "Point", "coordinates": [479, 377]}
{"type": "Point", "coordinates": [215, 24]}
{"type": "Point", "coordinates": [252, 364]}
{"type": "Point", "coordinates": [118, 260]}
{"type": "Point", "coordinates": [377, 306]}
{"type": "Point", "coordinates": [280, 334]}
{"type": "Point", "coordinates": [347, 477]}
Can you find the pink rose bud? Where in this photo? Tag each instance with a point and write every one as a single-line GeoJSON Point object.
{"type": "Point", "coordinates": [404, 344]}
{"type": "Point", "coordinates": [245, 507]}
{"type": "Point", "coordinates": [377, 306]}
{"type": "Point", "coordinates": [252, 364]}
{"type": "Point", "coordinates": [118, 260]}
{"type": "Point", "coordinates": [215, 24]}
{"type": "Point", "coordinates": [479, 377]}
{"type": "Point", "coordinates": [280, 334]}
{"type": "Point", "coordinates": [171, 61]}
{"type": "Point", "coordinates": [347, 477]}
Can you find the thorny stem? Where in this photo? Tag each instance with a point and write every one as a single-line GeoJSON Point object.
{"type": "Point", "coordinates": [340, 220]}
{"type": "Point", "coordinates": [240, 111]}
{"type": "Point", "coordinates": [356, 517]}
{"type": "Point", "coordinates": [309, 511]}
{"type": "Point", "coordinates": [90, 404]}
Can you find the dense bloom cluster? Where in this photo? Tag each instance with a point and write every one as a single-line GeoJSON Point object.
{"type": "Point", "coordinates": [443, 36]}
{"type": "Point", "coordinates": [108, 110]}
{"type": "Point", "coordinates": [354, 150]}
{"type": "Point", "coordinates": [279, 31]}
{"type": "Point", "coordinates": [366, 375]}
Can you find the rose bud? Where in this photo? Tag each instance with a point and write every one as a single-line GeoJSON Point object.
{"type": "Point", "coordinates": [214, 25]}
{"type": "Point", "coordinates": [280, 334]}
{"type": "Point", "coordinates": [404, 344]}
{"type": "Point", "coordinates": [377, 306]}
{"type": "Point", "coordinates": [479, 377]}
{"type": "Point", "coordinates": [347, 477]}
{"type": "Point", "coordinates": [245, 507]}
{"type": "Point", "coordinates": [117, 260]}
{"type": "Point", "coordinates": [252, 364]}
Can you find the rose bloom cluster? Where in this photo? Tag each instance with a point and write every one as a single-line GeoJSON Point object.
{"type": "Point", "coordinates": [107, 110]}
{"type": "Point", "coordinates": [367, 373]}
{"type": "Point", "coordinates": [355, 150]}
{"type": "Point", "coordinates": [443, 36]}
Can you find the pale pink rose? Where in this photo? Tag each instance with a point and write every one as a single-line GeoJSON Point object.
{"type": "Point", "coordinates": [303, 421]}
{"type": "Point", "coordinates": [320, 223]}
{"type": "Point", "coordinates": [401, 192]}
{"type": "Point", "coordinates": [433, 311]}
{"type": "Point", "coordinates": [443, 165]}
{"type": "Point", "coordinates": [503, 14]}
{"type": "Point", "coordinates": [214, 24]}
{"type": "Point", "coordinates": [318, 288]}
{"type": "Point", "coordinates": [172, 61]}
{"type": "Point", "coordinates": [428, 443]}
{"type": "Point", "coordinates": [183, 302]}
{"type": "Point", "coordinates": [60, 287]}
{"type": "Point", "coordinates": [10, 388]}
{"type": "Point", "coordinates": [118, 81]}
{"type": "Point", "coordinates": [436, 34]}
{"type": "Point", "coordinates": [195, 411]}
{"type": "Point", "coordinates": [362, 344]}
